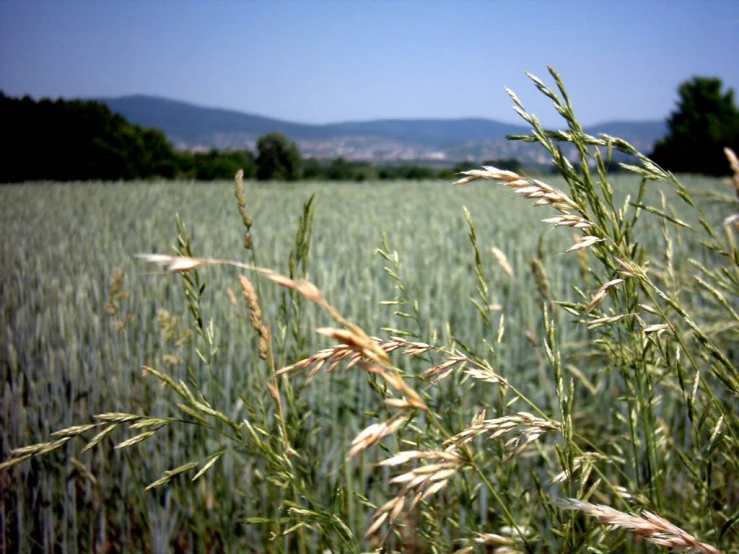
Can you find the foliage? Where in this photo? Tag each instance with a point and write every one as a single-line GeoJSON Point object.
{"type": "Point", "coordinates": [215, 165]}
{"type": "Point", "coordinates": [559, 390]}
{"type": "Point", "coordinates": [74, 140]}
{"type": "Point", "coordinates": [277, 159]}
{"type": "Point", "coordinates": [78, 140]}
{"type": "Point", "coordinates": [705, 121]}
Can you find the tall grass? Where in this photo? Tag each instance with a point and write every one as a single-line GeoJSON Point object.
{"type": "Point", "coordinates": [488, 381]}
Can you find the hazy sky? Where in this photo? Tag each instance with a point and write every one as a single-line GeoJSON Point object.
{"type": "Point", "coordinates": [325, 61]}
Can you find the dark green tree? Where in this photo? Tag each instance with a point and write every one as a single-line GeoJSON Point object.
{"type": "Point", "coordinates": [705, 121]}
{"type": "Point", "coordinates": [340, 170]}
{"type": "Point", "coordinates": [277, 158]}
{"type": "Point", "coordinates": [313, 169]}
{"type": "Point", "coordinates": [68, 140]}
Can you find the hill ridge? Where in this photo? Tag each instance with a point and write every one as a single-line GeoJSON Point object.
{"type": "Point", "coordinates": [192, 126]}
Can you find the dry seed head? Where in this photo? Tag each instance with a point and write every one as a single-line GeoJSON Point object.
{"type": "Point", "coordinates": [331, 357]}
{"type": "Point", "coordinates": [241, 201]}
{"type": "Point", "coordinates": [361, 344]}
{"type": "Point", "coordinates": [309, 290]}
{"type": "Point", "coordinates": [255, 316]}
{"type": "Point", "coordinates": [424, 480]}
{"type": "Point", "coordinates": [502, 260]}
{"type": "Point", "coordinates": [392, 378]}
{"type": "Point", "coordinates": [328, 356]}
{"type": "Point", "coordinates": [376, 525]}
{"type": "Point", "coordinates": [400, 404]}
{"type": "Point", "coordinates": [174, 263]}
{"type": "Point", "coordinates": [600, 294]}
{"type": "Point", "coordinates": [397, 508]}
{"type": "Point", "coordinates": [584, 242]}
{"type": "Point", "coordinates": [409, 347]}
{"type": "Point", "coordinates": [373, 434]}
{"type": "Point", "coordinates": [652, 527]}
{"type": "Point", "coordinates": [655, 328]}
{"type": "Point", "coordinates": [606, 320]}
{"type": "Point", "coordinates": [444, 369]}
{"type": "Point", "coordinates": [491, 538]}
{"type": "Point", "coordinates": [280, 279]}
{"type": "Point", "coordinates": [485, 375]}
{"type": "Point", "coordinates": [734, 163]}
{"type": "Point", "coordinates": [628, 269]}
{"type": "Point", "coordinates": [250, 296]}
{"type": "Point", "coordinates": [231, 296]}
{"type": "Point", "coordinates": [533, 428]}
{"type": "Point", "coordinates": [449, 455]}
{"type": "Point", "coordinates": [273, 392]}
{"type": "Point", "coordinates": [569, 220]}
{"type": "Point", "coordinates": [533, 189]}
{"type": "Point", "coordinates": [732, 220]}
{"type": "Point", "coordinates": [479, 418]}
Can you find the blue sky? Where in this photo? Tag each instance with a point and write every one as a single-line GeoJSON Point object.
{"type": "Point", "coordinates": [327, 61]}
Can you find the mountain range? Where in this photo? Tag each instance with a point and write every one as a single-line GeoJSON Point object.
{"type": "Point", "coordinates": [199, 128]}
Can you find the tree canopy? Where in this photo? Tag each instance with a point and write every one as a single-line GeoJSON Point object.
{"type": "Point", "coordinates": [66, 140]}
{"type": "Point", "coordinates": [277, 158]}
{"type": "Point", "coordinates": [705, 121]}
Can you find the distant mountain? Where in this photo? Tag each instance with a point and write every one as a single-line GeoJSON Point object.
{"type": "Point", "coordinates": [190, 123]}
{"type": "Point", "coordinates": [194, 127]}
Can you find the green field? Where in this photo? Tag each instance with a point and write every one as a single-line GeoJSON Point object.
{"type": "Point", "coordinates": [66, 356]}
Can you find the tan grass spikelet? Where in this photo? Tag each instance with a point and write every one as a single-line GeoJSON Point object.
{"type": "Point", "coordinates": [734, 163]}
{"type": "Point", "coordinates": [255, 316]}
{"type": "Point", "coordinates": [442, 370]}
{"type": "Point", "coordinates": [423, 481]}
{"type": "Point", "coordinates": [362, 344]}
{"type": "Point", "coordinates": [532, 428]}
{"type": "Point", "coordinates": [584, 242]}
{"type": "Point", "coordinates": [534, 189]}
{"type": "Point", "coordinates": [174, 263]}
{"type": "Point", "coordinates": [373, 434]}
{"type": "Point", "coordinates": [569, 220]}
{"type": "Point", "coordinates": [330, 358]}
{"type": "Point", "coordinates": [485, 375]}
{"type": "Point", "coordinates": [650, 526]}
{"type": "Point", "coordinates": [392, 378]}
{"type": "Point", "coordinates": [241, 199]}
{"type": "Point", "coordinates": [600, 294]}
{"type": "Point", "coordinates": [502, 260]}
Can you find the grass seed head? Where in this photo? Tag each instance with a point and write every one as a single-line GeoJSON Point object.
{"type": "Point", "coordinates": [650, 526]}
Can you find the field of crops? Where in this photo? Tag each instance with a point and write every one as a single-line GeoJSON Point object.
{"type": "Point", "coordinates": [81, 316]}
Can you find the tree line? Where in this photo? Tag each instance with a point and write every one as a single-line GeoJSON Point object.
{"type": "Point", "coordinates": [79, 140]}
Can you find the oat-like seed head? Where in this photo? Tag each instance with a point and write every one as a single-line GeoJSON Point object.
{"type": "Point", "coordinates": [652, 527]}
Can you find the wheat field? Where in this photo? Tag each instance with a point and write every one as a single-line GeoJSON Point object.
{"type": "Point", "coordinates": [81, 316]}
